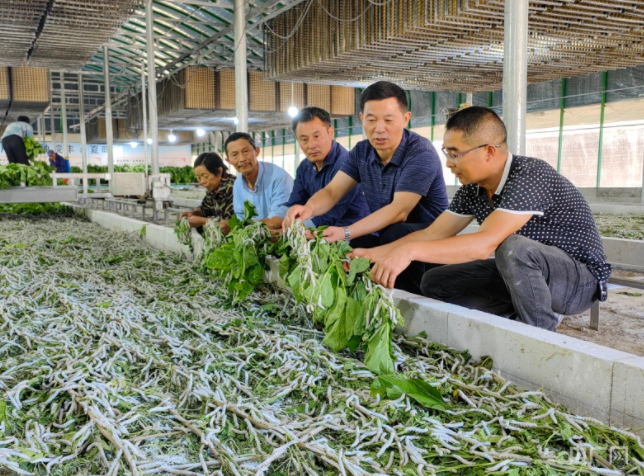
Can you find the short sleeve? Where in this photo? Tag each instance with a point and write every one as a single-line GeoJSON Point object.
{"type": "Point", "coordinates": [281, 191]}
{"type": "Point", "coordinates": [461, 204]}
{"type": "Point", "coordinates": [351, 165]}
{"type": "Point", "coordinates": [238, 198]}
{"type": "Point", "coordinates": [527, 191]}
{"type": "Point", "coordinates": [419, 173]}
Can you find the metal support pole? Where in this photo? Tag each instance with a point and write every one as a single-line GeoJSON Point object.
{"type": "Point", "coordinates": [144, 106]}
{"type": "Point", "coordinates": [52, 117]}
{"type": "Point", "coordinates": [562, 109]}
{"type": "Point", "coordinates": [350, 132]}
{"type": "Point", "coordinates": [52, 126]}
{"type": "Point", "coordinates": [515, 73]}
{"type": "Point", "coordinates": [109, 134]}
{"type": "Point", "coordinates": [81, 110]}
{"type": "Point", "coordinates": [433, 119]}
{"type": "Point", "coordinates": [601, 128]}
{"type": "Point", "coordinates": [63, 114]}
{"type": "Point", "coordinates": [283, 146]}
{"type": "Point", "coordinates": [41, 128]}
{"type": "Point", "coordinates": [241, 81]}
{"type": "Point", "coordinates": [152, 88]}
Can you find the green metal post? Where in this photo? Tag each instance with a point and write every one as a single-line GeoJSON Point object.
{"type": "Point", "coordinates": [273, 146]}
{"type": "Point", "coordinates": [601, 128]}
{"type": "Point", "coordinates": [458, 105]}
{"type": "Point", "coordinates": [408, 107]}
{"type": "Point", "coordinates": [433, 115]}
{"type": "Point", "coordinates": [562, 108]}
{"type": "Point", "coordinates": [490, 97]}
{"type": "Point", "coordinates": [335, 129]}
{"type": "Point", "coordinates": [350, 131]}
{"type": "Point", "coordinates": [283, 146]}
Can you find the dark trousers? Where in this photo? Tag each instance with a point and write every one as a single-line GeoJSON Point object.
{"type": "Point", "coordinates": [14, 146]}
{"type": "Point", "coordinates": [408, 280]}
{"type": "Point", "coordinates": [526, 280]}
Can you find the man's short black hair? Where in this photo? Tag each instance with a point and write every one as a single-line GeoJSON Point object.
{"type": "Point", "coordinates": [474, 120]}
{"type": "Point", "coordinates": [384, 90]}
{"type": "Point", "coordinates": [307, 114]}
{"type": "Point", "coordinates": [239, 135]}
{"type": "Point", "coordinates": [24, 119]}
{"type": "Point", "coordinates": [213, 163]}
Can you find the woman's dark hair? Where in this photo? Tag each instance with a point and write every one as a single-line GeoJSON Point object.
{"type": "Point", "coordinates": [213, 163]}
{"type": "Point", "coordinates": [384, 90]}
{"type": "Point", "coordinates": [309, 113]}
{"type": "Point", "coordinates": [239, 135]}
{"type": "Point", "coordinates": [24, 119]}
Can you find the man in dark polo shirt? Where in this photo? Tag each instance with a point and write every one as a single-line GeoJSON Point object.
{"type": "Point", "coordinates": [400, 174]}
{"type": "Point", "coordinates": [549, 259]}
{"type": "Point", "coordinates": [314, 133]}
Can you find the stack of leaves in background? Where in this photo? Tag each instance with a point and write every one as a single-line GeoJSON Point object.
{"type": "Point", "coordinates": [178, 175]}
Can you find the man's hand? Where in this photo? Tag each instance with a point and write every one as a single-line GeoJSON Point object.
{"type": "Point", "coordinates": [372, 254]}
{"type": "Point", "coordinates": [196, 221]}
{"type": "Point", "coordinates": [186, 214]}
{"type": "Point", "coordinates": [296, 212]}
{"type": "Point", "coordinates": [389, 266]}
{"type": "Point", "coordinates": [333, 234]}
{"type": "Point", "coordinates": [225, 227]}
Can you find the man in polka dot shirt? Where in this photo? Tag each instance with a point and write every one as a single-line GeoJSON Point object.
{"type": "Point", "coordinates": [548, 255]}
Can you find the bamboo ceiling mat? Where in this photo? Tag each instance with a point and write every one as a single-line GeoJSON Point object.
{"type": "Point", "coordinates": [450, 45]}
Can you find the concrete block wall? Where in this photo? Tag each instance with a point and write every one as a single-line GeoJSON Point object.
{"type": "Point", "coordinates": [589, 379]}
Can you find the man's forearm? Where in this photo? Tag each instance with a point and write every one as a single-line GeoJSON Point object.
{"type": "Point", "coordinates": [452, 250]}
{"type": "Point", "coordinates": [321, 202]}
{"type": "Point", "coordinates": [377, 221]}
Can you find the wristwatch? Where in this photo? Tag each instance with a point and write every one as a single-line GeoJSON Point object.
{"type": "Point", "coordinates": [347, 235]}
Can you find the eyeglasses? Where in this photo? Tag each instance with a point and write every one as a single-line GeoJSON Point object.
{"type": "Point", "coordinates": [455, 157]}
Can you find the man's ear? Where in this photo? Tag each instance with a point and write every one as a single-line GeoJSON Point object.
{"type": "Point", "coordinates": [407, 117]}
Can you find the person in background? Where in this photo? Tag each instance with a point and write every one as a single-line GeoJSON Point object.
{"type": "Point", "coordinates": [314, 133]}
{"type": "Point", "coordinates": [548, 260]}
{"type": "Point", "coordinates": [265, 185]}
{"type": "Point", "coordinates": [13, 140]}
{"type": "Point", "coordinates": [61, 163]}
{"type": "Point", "coordinates": [400, 174]}
{"type": "Point", "coordinates": [212, 174]}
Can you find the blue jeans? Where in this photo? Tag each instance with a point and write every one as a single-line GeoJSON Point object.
{"type": "Point", "coordinates": [526, 280]}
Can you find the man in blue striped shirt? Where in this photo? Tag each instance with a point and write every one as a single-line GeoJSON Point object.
{"type": "Point", "coordinates": [400, 173]}
{"type": "Point", "coordinates": [314, 133]}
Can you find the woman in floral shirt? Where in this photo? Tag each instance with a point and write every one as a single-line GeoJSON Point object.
{"type": "Point", "coordinates": [212, 174]}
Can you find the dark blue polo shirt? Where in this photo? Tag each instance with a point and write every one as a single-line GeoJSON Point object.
{"type": "Point", "coordinates": [353, 206]}
{"type": "Point", "coordinates": [415, 167]}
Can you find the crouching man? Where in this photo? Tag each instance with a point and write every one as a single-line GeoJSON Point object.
{"type": "Point", "coordinates": [548, 255]}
